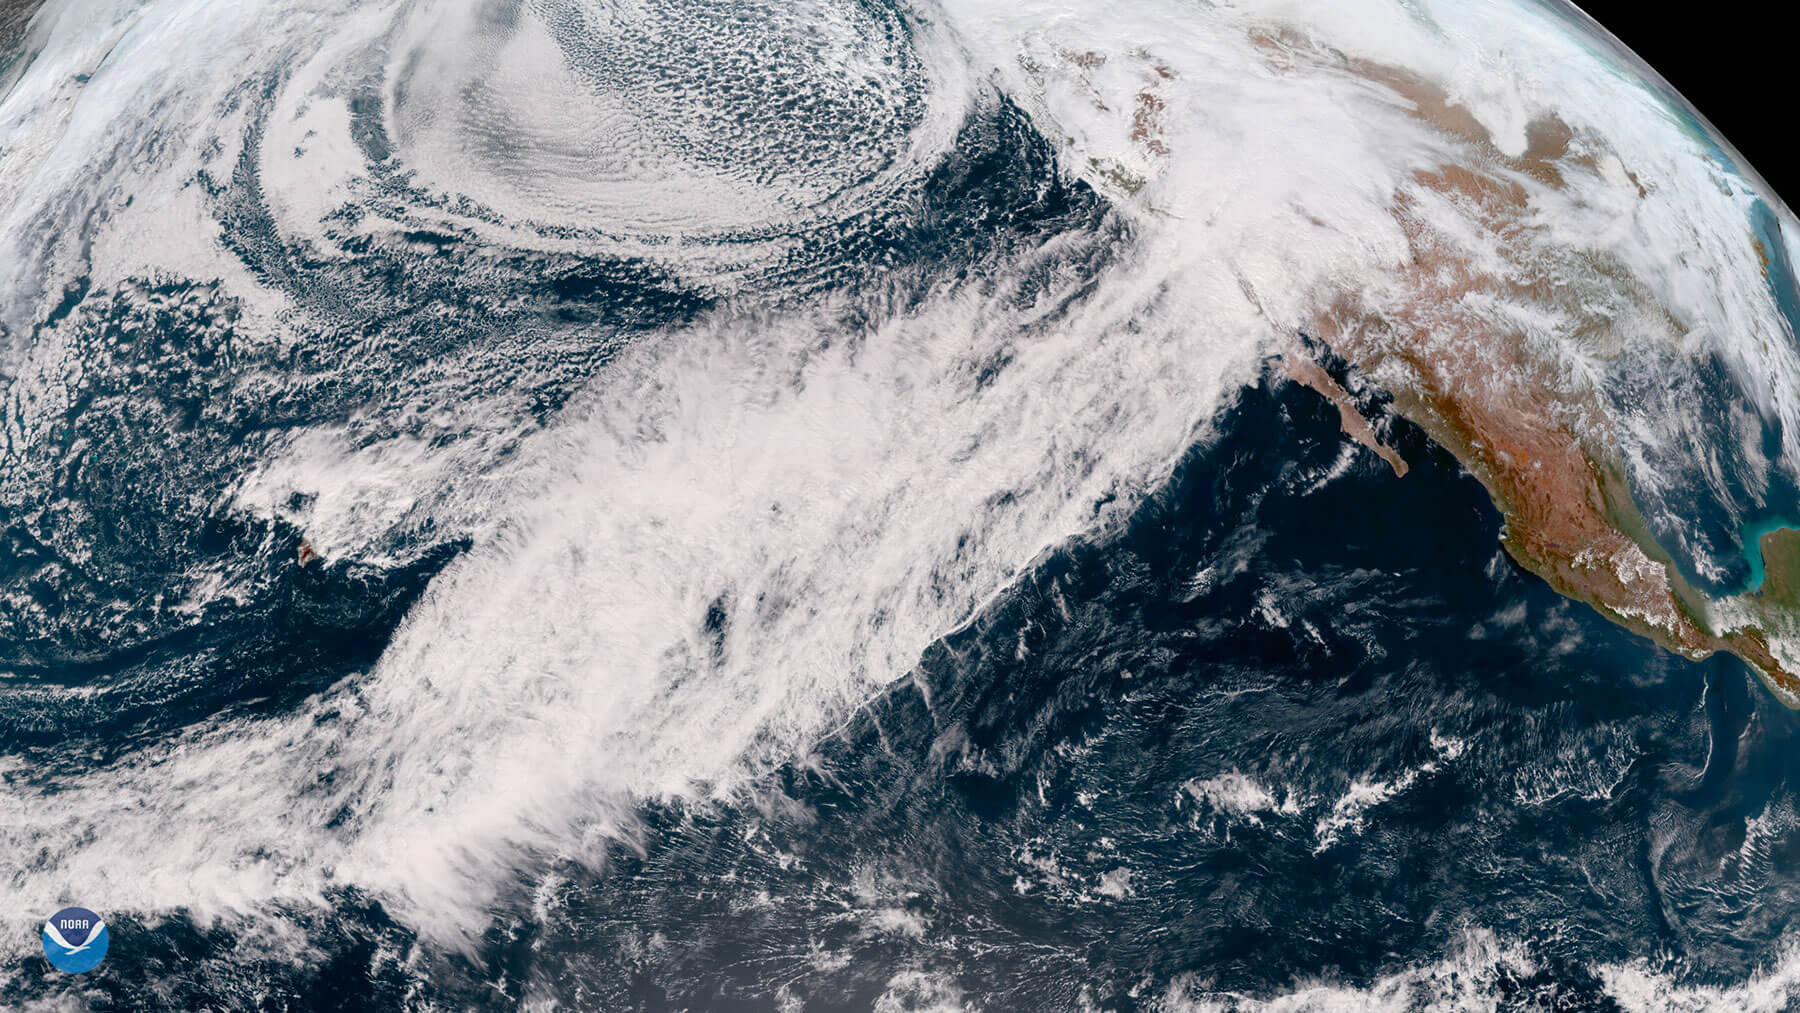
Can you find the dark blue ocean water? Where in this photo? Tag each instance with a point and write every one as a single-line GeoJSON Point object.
{"type": "Point", "coordinates": [1575, 789]}
{"type": "Point", "coordinates": [1267, 616]}
{"type": "Point", "coordinates": [1296, 720]}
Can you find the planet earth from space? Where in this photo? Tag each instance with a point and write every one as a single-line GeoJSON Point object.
{"type": "Point", "coordinates": [850, 504]}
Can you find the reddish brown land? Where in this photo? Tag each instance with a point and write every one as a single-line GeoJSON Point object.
{"type": "Point", "coordinates": [1512, 410]}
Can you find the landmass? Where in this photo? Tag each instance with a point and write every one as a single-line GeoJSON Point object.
{"type": "Point", "coordinates": [1306, 371]}
{"type": "Point", "coordinates": [1530, 428]}
{"type": "Point", "coordinates": [1781, 568]}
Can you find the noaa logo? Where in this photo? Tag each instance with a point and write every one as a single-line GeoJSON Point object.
{"type": "Point", "coordinates": [74, 940]}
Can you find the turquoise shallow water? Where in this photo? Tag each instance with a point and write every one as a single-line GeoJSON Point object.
{"type": "Point", "coordinates": [1753, 534]}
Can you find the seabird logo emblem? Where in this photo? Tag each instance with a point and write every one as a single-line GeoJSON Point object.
{"type": "Point", "coordinates": [74, 940]}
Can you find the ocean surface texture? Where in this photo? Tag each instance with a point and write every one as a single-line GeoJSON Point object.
{"type": "Point", "coordinates": [839, 504]}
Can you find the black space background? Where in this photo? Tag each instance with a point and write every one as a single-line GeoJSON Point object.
{"type": "Point", "coordinates": [1737, 63]}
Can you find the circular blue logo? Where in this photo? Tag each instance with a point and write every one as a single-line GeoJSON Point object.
{"type": "Point", "coordinates": [75, 940]}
